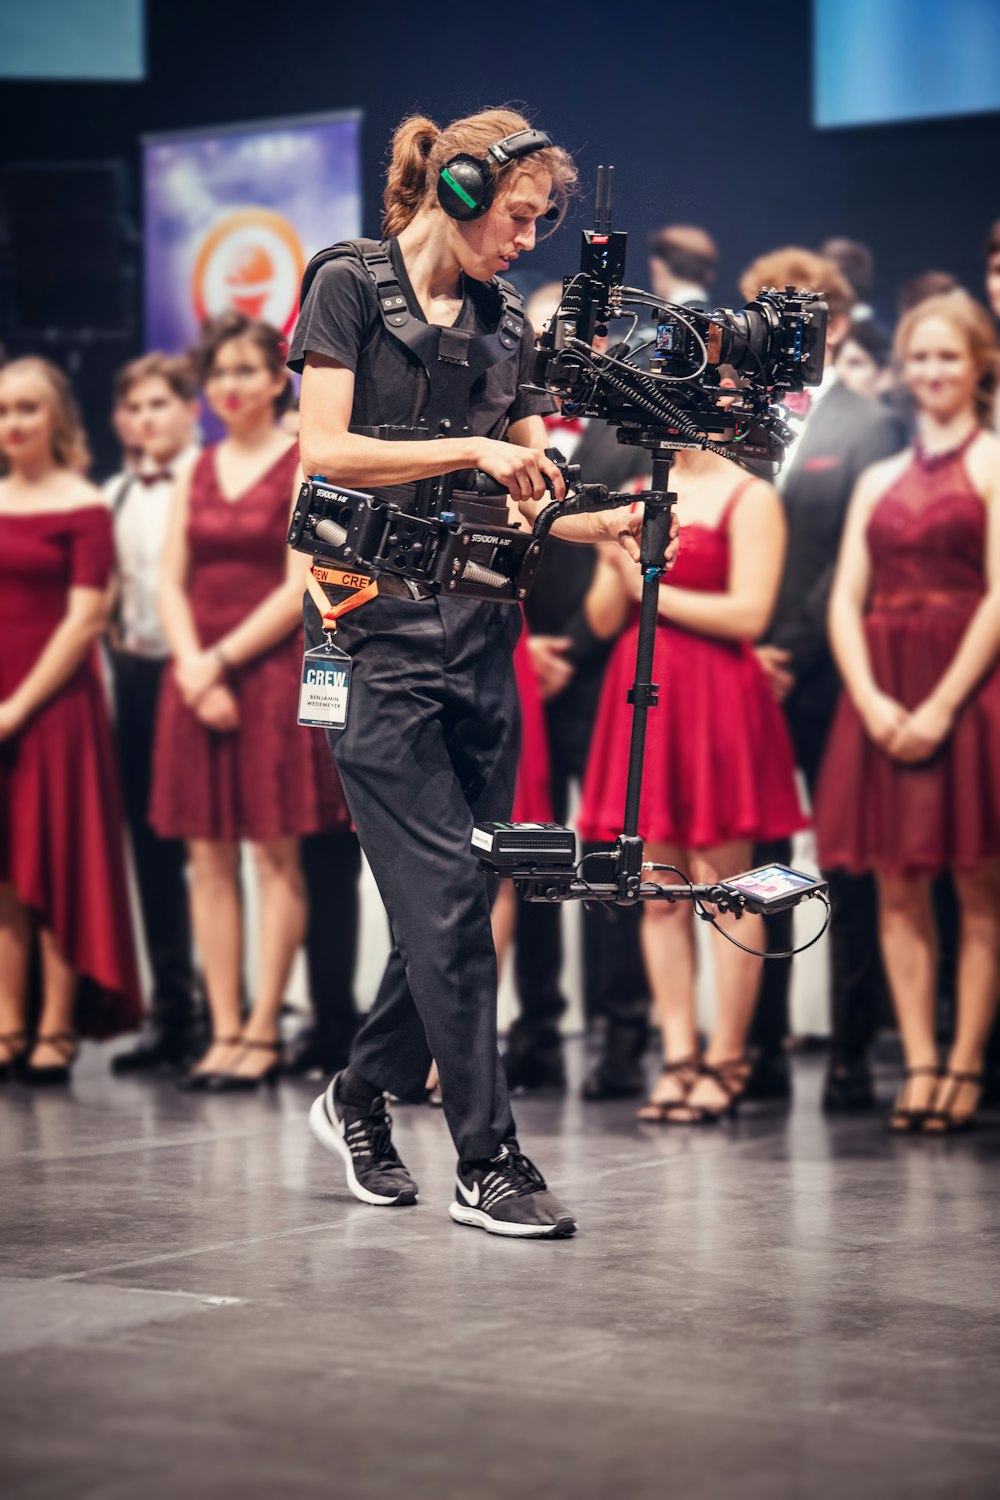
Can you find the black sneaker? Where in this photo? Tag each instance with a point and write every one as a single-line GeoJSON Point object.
{"type": "Point", "coordinates": [362, 1138]}
{"type": "Point", "coordinates": [507, 1195]}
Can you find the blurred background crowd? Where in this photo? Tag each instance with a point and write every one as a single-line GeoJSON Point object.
{"type": "Point", "coordinates": [828, 644]}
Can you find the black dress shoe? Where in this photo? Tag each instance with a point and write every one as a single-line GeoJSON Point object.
{"type": "Point", "coordinates": [49, 1075]}
{"type": "Point", "coordinates": [619, 1073]}
{"type": "Point", "coordinates": [155, 1049]}
{"type": "Point", "coordinates": [535, 1064]}
{"type": "Point", "coordinates": [770, 1078]}
{"type": "Point", "coordinates": [849, 1086]}
{"type": "Point", "coordinates": [195, 1080]}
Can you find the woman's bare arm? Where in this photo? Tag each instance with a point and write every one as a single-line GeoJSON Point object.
{"type": "Point", "coordinates": [66, 648]}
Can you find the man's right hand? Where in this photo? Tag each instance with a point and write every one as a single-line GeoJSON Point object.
{"type": "Point", "coordinates": [552, 671]}
{"type": "Point", "coordinates": [521, 471]}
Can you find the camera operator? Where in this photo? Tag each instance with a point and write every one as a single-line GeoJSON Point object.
{"type": "Point", "coordinates": [839, 435]}
{"type": "Point", "coordinates": [430, 742]}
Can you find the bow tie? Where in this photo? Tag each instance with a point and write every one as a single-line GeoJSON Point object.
{"type": "Point", "coordinates": [559, 423]}
{"type": "Point", "coordinates": [797, 402]}
{"type": "Point", "coordinates": [155, 476]}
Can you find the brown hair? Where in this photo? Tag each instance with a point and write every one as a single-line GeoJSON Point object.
{"type": "Point", "coordinates": [993, 240]}
{"type": "Point", "coordinates": [974, 323]}
{"type": "Point", "coordinates": [918, 288]}
{"type": "Point", "coordinates": [176, 370]}
{"type": "Point", "coordinates": [420, 149]}
{"type": "Point", "coordinates": [67, 424]}
{"type": "Point", "coordinates": [803, 269]}
{"type": "Point", "coordinates": [271, 344]}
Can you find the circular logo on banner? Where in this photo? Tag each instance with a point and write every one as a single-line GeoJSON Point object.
{"type": "Point", "coordinates": [252, 262]}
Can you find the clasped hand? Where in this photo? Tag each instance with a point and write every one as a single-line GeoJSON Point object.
{"type": "Point", "coordinates": [908, 737]}
{"type": "Point", "coordinates": [198, 678]}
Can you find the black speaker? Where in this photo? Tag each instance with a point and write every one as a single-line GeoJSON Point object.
{"type": "Point", "coordinates": [70, 247]}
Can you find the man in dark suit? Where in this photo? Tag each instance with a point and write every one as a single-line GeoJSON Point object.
{"type": "Point", "coordinates": [839, 435]}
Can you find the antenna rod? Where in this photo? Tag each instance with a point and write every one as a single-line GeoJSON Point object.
{"type": "Point", "coordinates": [607, 198]}
{"type": "Point", "coordinates": [599, 200]}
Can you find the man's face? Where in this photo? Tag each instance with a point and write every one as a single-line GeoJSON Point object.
{"type": "Point", "coordinates": [161, 421]}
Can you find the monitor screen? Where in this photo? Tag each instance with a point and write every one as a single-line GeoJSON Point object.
{"type": "Point", "coordinates": [73, 39]}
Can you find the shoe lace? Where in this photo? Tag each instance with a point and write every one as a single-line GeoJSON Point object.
{"type": "Point", "coordinates": [374, 1131]}
{"type": "Point", "coordinates": [522, 1174]}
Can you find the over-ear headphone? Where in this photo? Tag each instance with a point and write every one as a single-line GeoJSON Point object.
{"type": "Point", "coordinates": [466, 184]}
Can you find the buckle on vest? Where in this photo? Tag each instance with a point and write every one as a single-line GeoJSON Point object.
{"type": "Point", "coordinates": [453, 346]}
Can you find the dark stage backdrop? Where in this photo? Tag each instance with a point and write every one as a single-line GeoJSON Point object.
{"type": "Point", "coordinates": [705, 110]}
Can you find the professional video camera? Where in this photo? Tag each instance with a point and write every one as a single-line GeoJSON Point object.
{"type": "Point", "coordinates": [674, 397]}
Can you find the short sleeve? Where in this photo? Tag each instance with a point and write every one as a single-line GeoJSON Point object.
{"type": "Point", "coordinates": [336, 317]}
{"type": "Point", "coordinates": [91, 548]}
{"type": "Point", "coordinates": [529, 403]}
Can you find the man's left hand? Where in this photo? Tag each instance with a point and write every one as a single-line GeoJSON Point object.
{"type": "Point", "coordinates": [625, 528]}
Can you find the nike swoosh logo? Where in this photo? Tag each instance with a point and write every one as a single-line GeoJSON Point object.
{"type": "Point", "coordinates": [471, 1198]}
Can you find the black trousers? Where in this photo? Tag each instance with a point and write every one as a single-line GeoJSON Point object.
{"type": "Point", "coordinates": [331, 864]}
{"type": "Point", "coordinates": [858, 988]}
{"type": "Point", "coordinates": [430, 746]}
{"type": "Point", "coordinates": [159, 862]}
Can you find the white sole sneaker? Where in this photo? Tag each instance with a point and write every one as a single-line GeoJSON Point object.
{"type": "Point", "coordinates": [477, 1219]}
{"type": "Point", "coordinates": [330, 1136]}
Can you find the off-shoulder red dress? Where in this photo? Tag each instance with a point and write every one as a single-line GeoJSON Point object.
{"type": "Point", "coordinates": [270, 778]}
{"type": "Point", "coordinates": [719, 766]}
{"type": "Point", "coordinates": [61, 825]}
{"type": "Point", "coordinates": [927, 538]}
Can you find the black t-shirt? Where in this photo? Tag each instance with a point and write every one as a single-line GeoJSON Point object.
{"type": "Point", "coordinates": [340, 318]}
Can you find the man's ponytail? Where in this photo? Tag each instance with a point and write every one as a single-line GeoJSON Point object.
{"type": "Point", "coordinates": [406, 180]}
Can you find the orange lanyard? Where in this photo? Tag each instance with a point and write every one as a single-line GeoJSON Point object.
{"type": "Point", "coordinates": [364, 589]}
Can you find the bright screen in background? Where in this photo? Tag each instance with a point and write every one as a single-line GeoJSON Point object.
{"type": "Point", "coordinates": [89, 39]}
{"type": "Point", "coordinates": [880, 60]}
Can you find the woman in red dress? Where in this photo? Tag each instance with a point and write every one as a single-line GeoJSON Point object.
{"type": "Point", "coordinates": [719, 771]}
{"type": "Point", "coordinates": [230, 761]}
{"type": "Point", "coordinates": [910, 784]}
{"type": "Point", "coordinates": [62, 861]}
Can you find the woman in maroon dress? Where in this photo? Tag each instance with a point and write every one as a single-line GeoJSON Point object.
{"type": "Point", "coordinates": [230, 761]}
{"type": "Point", "coordinates": [61, 845]}
{"type": "Point", "coordinates": [910, 784]}
{"type": "Point", "coordinates": [719, 772]}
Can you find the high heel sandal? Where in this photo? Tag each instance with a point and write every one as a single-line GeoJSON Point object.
{"type": "Point", "coordinates": [15, 1061]}
{"type": "Point", "coordinates": [902, 1120]}
{"type": "Point", "coordinates": [66, 1044]}
{"type": "Point", "coordinates": [195, 1081]}
{"type": "Point", "coordinates": [942, 1119]}
{"type": "Point", "coordinates": [731, 1077]}
{"type": "Point", "coordinates": [685, 1070]}
{"type": "Point", "coordinates": [242, 1083]}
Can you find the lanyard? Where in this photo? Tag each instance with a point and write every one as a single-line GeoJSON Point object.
{"type": "Point", "coordinates": [364, 589]}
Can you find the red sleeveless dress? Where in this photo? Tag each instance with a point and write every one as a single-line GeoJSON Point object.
{"type": "Point", "coordinates": [532, 794]}
{"type": "Point", "coordinates": [719, 765]}
{"type": "Point", "coordinates": [926, 538]}
{"type": "Point", "coordinates": [61, 824]}
{"type": "Point", "coordinates": [270, 778]}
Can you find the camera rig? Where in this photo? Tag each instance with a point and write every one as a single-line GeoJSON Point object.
{"type": "Point", "coordinates": [447, 535]}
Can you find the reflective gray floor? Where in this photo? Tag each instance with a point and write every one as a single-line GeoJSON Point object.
{"type": "Point", "coordinates": [191, 1305]}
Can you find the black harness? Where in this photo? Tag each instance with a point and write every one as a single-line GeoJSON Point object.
{"type": "Point", "coordinates": [453, 358]}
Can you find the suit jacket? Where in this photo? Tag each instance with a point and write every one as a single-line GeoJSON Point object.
{"type": "Point", "coordinates": [841, 438]}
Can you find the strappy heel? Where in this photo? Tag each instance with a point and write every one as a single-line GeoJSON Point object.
{"type": "Point", "coordinates": [904, 1121]}
{"type": "Point", "coordinates": [685, 1070]}
{"type": "Point", "coordinates": [196, 1082]}
{"type": "Point", "coordinates": [66, 1043]}
{"type": "Point", "coordinates": [243, 1083]}
{"type": "Point", "coordinates": [15, 1061]}
{"type": "Point", "coordinates": [731, 1077]}
{"type": "Point", "coordinates": [942, 1119]}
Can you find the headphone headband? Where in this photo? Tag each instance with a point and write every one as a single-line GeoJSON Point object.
{"type": "Point", "coordinates": [521, 143]}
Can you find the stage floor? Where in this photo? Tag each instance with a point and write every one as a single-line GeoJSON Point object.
{"type": "Point", "coordinates": [193, 1305]}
